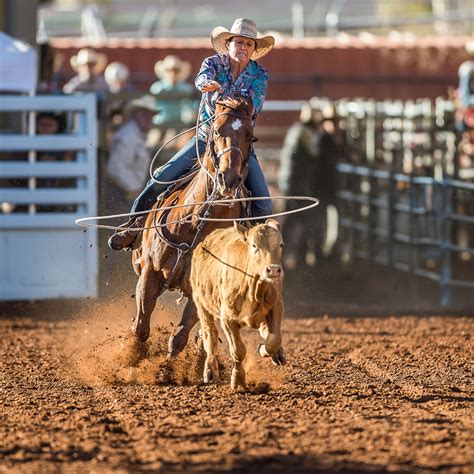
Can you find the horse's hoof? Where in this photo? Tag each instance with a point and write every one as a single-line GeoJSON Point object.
{"type": "Point", "coordinates": [279, 358]}
{"type": "Point", "coordinates": [132, 351]}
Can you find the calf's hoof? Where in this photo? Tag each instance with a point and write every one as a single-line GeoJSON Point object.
{"type": "Point", "coordinates": [237, 379]}
{"type": "Point", "coordinates": [211, 372]}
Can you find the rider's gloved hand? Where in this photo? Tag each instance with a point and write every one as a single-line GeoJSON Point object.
{"type": "Point", "coordinates": [212, 86]}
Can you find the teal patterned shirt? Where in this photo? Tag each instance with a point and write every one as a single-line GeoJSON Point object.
{"type": "Point", "coordinates": [251, 83]}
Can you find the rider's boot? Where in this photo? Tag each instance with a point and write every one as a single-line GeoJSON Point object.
{"type": "Point", "coordinates": [124, 239]}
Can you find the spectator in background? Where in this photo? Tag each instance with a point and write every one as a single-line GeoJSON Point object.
{"type": "Point", "coordinates": [466, 79]}
{"type": "Point", "coordinates": [117, 78]}
{"type": "Point", "coordinates": [297, 168]}
{"type": "Point", "coordinates": [89, 66]}
{"type": "Point", "coordinates": [179, 112]}
{"type": "Point", "coordinates": [328, 152]}
{"type": "Point", "coordinates": [129, 161]}
{"type": "Point", "coordinates": [51, 74]}
{"type": "Point", "coordinates": [308, 168]}
{"type": "Point", "coordinates": [52, 123]}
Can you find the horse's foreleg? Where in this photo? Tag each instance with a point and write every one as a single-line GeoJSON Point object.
{"type": "Point", "coordinates": [179, 339]}
{"type": "Point", "coordinates": [149, 287]}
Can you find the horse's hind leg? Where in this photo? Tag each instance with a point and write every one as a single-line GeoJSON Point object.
{"type": "Point", "coordinates": [179, 339]}
{"type": "Point", "coordinates": [149, 287]}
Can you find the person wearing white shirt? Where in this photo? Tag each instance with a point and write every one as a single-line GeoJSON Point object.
{"type": "Point", "coordinates": [129, 160]}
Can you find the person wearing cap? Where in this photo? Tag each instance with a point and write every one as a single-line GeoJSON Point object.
{"type": "Point", "coordinates": [127, 168]}
{"type": "Point", "coordinates": [116, 76]}
{"type": "Point", "coordinates": [89, 66]}
{"type": "Point", "coordinates": [233, 70]}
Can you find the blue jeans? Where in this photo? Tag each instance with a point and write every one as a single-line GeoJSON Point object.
{"type": "Point", "coordinates": [183, 161]}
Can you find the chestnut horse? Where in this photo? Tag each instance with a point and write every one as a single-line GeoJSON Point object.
{"type": "Point", "coordinates": [163, 259]}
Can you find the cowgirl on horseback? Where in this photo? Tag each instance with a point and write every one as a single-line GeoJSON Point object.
{"type": "Point", "coordinates": [233, 70]}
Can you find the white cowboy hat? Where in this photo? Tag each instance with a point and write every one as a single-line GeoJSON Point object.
{"type": "Point", "coordinates": [116, 72]}
{"type": "Point", "coordinates": [146, 102]}
{"type": "Point", "coordinates": [246, 28]}
{"type": "Point", "coordinates": [170, 63]}
{"type": "Point", "coordinates": [88, 56]}
{"type": "Point", "coordinates": [470, 46]}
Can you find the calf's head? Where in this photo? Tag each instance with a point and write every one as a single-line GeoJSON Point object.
{"type": "Point", "coordinates": [265, 245]}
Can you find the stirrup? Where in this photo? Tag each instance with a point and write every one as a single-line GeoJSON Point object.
{"type": "Point", "coordinates": [124, 239]}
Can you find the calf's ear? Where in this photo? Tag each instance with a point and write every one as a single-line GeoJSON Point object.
{"type": "Point", "coordinates": [241, 231]}
{"type": "Point", "coordinates": [273, 223]}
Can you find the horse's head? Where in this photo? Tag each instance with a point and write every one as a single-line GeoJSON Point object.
{"type": "Point", "coordinates": [230, 139]}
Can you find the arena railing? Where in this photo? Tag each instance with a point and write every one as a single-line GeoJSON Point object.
{"type": "Point", "coordinates": [414, 224]}
{"type": "Point", "coordinates": [44, 254]}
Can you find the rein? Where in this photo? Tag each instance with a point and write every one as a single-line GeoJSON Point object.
{"type": "Point", "coordinates": [205, 208]}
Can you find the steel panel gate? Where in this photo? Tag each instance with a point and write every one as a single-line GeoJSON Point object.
{"type": "Point", "coordinates": [44, 255]}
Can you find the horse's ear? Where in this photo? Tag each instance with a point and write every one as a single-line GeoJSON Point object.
{"type": "Point", "coordinates": [273, 223]}
{"type": "Point", "coordinates": [241, 231]}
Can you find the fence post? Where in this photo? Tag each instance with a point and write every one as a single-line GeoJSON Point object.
{"type": "Point", "coordinates": [446, 255]}
{"type": "Point", "coordinates": [391, 225]}
{"type": "Point", "coordinates": [412, 234]}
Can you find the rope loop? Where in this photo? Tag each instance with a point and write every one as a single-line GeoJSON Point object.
{"type": "Point", "coordinates": [313, 202]}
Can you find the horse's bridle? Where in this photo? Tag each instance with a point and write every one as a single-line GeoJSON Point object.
{"type": "Point", "coordinates": [216, 157]}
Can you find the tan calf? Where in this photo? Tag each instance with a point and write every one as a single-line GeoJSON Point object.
{"type": "Point", "coordinates": [236, 277]}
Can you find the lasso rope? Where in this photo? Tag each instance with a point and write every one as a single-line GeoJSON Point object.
{"type": "Point", "coordinates": [197, 127]}
{"type": "Point", "coordinates": [84, 221]}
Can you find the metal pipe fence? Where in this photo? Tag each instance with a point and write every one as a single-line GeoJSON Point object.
{"type": "Point", "coordinates": [404, 201]}
{"type": "Point", "coordinates": [410, 223]}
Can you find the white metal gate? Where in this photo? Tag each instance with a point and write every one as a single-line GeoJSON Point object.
{"type": "Point", "coordinates": [43, 253]}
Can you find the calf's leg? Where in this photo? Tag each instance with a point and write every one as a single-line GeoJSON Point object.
{"type": "Point", "coordinates": [210, 338]}
{"type": "Point", "coordinates": [270, 330]}
{"type": "Point", "coordinates": [237, 351]}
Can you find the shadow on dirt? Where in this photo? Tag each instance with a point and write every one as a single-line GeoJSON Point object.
{"type": "Point", "coordinates": [365, 289]}
{"type": "Point", "coordinates": [327, 288]}
{"type": "Point", "coordinates": [298, 464]}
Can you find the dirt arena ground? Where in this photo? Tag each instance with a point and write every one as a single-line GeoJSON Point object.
{"type": "Point", "coordinates": [359, 394]}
